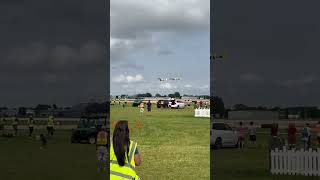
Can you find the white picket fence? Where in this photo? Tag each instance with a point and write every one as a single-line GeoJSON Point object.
{"type": "Point", "coordinates": [295, 162]}
{"type": "Point", "coordinates": [201, 112]}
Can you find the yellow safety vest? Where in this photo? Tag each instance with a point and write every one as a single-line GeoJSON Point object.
{"type": "Point", "coordinates": [30, 122]}
{"type": "Point", "coordinates": [128, 170]}
{"type": "Point", "coordinates": [50, 121]}
{"type": "Point", "coordinates": [102, 138]}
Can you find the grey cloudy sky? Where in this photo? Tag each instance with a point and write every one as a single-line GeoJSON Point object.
{"type": "Point", "coordinates": [271, 49]}
{"type": "Point", "coordinates": [158, 39]}
{"type": "Point", "coordinates": [52, 51]}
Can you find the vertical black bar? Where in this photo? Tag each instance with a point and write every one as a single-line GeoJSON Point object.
{"type": "Point", "coordinates": [107, 45]}
{"type": "Point", "coordinates": [211, 83]}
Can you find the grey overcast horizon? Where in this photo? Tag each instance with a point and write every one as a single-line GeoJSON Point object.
{"type": "Point", "coordinates": [160, 39]}
{"type": "Point", "coordinates": [53, 52]}
{"type": "Point", "coordinates": [271, 52]}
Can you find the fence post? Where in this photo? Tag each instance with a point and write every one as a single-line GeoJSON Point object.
{"type": "Point", "coordinates": [314, 161]}
{"type": "Point", "coordinates": [318, 162]}
{"type": "Point", "coordinates": [285, 160]}
{"type": "Point", "coordinates": [271, 161]}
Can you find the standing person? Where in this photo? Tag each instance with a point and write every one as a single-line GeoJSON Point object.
{"type": "Point", "coordinates": [292, 130]}
{"type": "Point", "coordinates": [317, 131]}
{"type": "Point", "coordinates": [124, 155]}
{"type": "Point", "coordinates": [306, 136]}
{"type": "Point", "coordinates": [30, 124]}
{"type": "Point", "coordinates": [274, 136]}
{"type": "Point", "coordinates": [201, 104]}
{"type": "Point", "coordinates": [149, 106]}
{"type": "Point", "coordinates": [101, 147]}
{"type": "Point", "coordinates": [50, 125]}
{"type": "Point", "coordinates": [2, 123]}
{"type": "Point", "coordinates": [252, 134]}
{"type": "Point", "coordinates": [206, 105]}
{"type": "Point", "coordinates": [15, 125]}
{"type": "Point", "coordinates": [241, 135]}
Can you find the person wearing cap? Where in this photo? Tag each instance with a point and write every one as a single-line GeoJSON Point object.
{"type": "Point", "coordinates": [101, 147]}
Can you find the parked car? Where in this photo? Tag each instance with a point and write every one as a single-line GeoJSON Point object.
{"type": "Point", "coordinates": [176, 104]}
{"type": "Point", "coordinates": [222, 135]}
{"type": "Point", "coordinates": [163, 104]}
{"type": "Point", "coordinates": [136, 102]}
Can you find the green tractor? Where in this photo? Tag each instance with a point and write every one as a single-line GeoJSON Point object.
{"type": "Point", "coordinates": [87, 130]}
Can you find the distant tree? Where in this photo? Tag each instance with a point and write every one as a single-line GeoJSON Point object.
{"type": "Point", "coordinates": [240, 107]}
{"type": "Point", "coordinates": [218, 106]}
{"type": "Point", "coordinates": [177, 95]}
{"type": "Point", "coordinates": [22, 111]}
{"type": "Point", "coordinates": [158, 95]}
{"type": "Point", "coordinates": [97, 108]}
{"type": "Point", "coordinates": [123, 96]}
{"type": "Point", "coordinates": [171, 95]}
{"type": "Point", "coordinates": [54, 106]}
{"type": "Point", "coordinates": [3, 108]}
{"type": "Point", "coordinates": [275, 108]}
{"type": "Point", "coordinates": [148, 95]}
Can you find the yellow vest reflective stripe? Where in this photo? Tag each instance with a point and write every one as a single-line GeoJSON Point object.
{"type": "Point", "coordinates": [50, 121]}
{"type": "Point", "coordinates": [123, 172]}
{"type": "Point", "coordinates": [102, 138]}
{"type": "Point", "coordinates": [30, 122]}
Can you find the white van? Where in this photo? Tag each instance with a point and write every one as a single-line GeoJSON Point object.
{"type": "Point", "coordinates": [222, 135]}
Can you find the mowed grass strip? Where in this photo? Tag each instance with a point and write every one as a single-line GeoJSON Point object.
{"type": "Point", "coordinates": [22, 159]}
{"type": "Point", "coordinates": [173, 144]}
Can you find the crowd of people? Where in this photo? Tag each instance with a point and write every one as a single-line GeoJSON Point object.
{"type": "Point", "coordinates": [14, 123]}
{"type": "Point", "coordinates": [305, 133]}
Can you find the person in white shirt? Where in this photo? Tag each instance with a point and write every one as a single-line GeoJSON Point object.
{"type": "Point", "coordinates": [252, 134]}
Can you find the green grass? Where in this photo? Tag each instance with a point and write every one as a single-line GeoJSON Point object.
{"type": "Point", "coordinates": [247, 163]}
{"type": "Point", "coordinates": [22, 159]}
{"type": "Point", "coordinates": [172, 143]}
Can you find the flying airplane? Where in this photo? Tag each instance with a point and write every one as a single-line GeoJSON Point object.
{"type": "Point", "coordinates": [163, 79]}
{"type": "Point", "coordinates": [214, 57]}
{"type": "Point", "coordinates": [174, 79]}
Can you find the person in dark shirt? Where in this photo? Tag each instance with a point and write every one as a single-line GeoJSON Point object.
{"type": "Point", "coordinates": [292, 130]}
{"type": "Point", "coordinates": [149, 106]}
{"type": "Point", "coordinates": [274, 136]}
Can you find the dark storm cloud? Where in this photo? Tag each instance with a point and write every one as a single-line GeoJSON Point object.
{"type": "Point", "coordinates": [277, 40]}
{"type": "Point", "coordinates": [53, 51]}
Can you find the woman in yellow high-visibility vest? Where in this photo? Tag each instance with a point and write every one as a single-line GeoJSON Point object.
{"type": "Point", "coordinates": [124, 155]}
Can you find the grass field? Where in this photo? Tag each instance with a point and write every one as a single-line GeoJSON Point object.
{"type": "Point", "coordinates": [247, 163]}
{"type": "Point", "coordinates": [172, 143]}
{"type": "Point", "coordinates": [22, 159]}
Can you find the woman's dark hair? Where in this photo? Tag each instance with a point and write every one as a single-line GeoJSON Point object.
{"type": "Point", "coordinates": [240, 123]}
{"type": "Point", "coordinates": [121, 141]}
